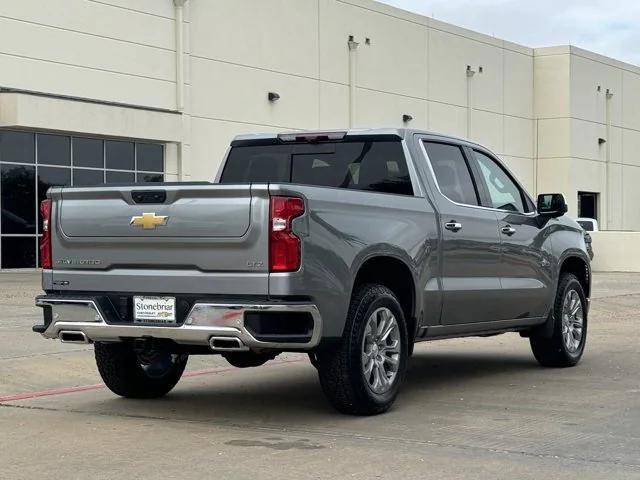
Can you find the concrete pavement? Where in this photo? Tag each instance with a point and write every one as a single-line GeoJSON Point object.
{"type": "Point", "coordinates": [470, 408]}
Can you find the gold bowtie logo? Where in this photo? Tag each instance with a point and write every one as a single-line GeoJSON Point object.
{"type": "Point", "coordinates": [149, 221]}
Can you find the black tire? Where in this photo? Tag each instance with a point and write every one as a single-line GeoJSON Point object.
{"type": "Point", "coordinates": [340, 367]}
{"type": "Point", "coordinates": [313, 358]}
{"type": "Point", "coordinates": [548, 344]}
{"type": "Point", "coordinates": [126, 374]}
{"type": "Point", "coordinates": [248, 359]}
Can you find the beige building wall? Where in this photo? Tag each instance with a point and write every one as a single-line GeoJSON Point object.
{"type": "Point", "coordinates": [587, 108]}
{"type": "Point", "coordinates": [406, 65]}
{"type": "Point", "coordinates": [123, 53]}
{"type": "Point", "coordinates": [109, 68]}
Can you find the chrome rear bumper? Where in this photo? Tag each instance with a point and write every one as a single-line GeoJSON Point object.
{"type": "Point", "coordinates": [221, 326]}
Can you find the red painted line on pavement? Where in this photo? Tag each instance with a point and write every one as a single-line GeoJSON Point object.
{"type": "Point", "coordinates": [51, 392]}
{"type": "Point", "coordinates": [97, 386]}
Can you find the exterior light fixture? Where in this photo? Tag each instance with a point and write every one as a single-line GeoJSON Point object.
{"type": "Point", "coordinates": [601, 141]}
{"type": "Point", "coordinates": [406, 118]}
{"type": "Point", "coordinates": [470, 73]}
{"type": "Point", "coordinates": [273, 97]}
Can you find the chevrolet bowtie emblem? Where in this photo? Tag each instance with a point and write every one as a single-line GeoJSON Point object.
{"type": "Point", "coordinates": [149, 221]}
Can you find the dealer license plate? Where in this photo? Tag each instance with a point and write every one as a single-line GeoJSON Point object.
{"type": "Point", "coordinates": [160, 310]}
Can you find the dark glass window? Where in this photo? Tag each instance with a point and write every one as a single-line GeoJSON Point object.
{"type": "Point", "coordinates": [374, 165]}
{"type": "Point", "coordinates": [503, 191]}
{"type": "Point", "coordinates": [452, 172]}
{"type": "Point", "coordinates": [86, 178]}
{"type": "Point", "coordinates": [17, 147]}
{"type": "Point", "coordinates": [121, 177]}
{"type": "Point", "coordinates": [50, 177]}
{"type": "Point", "coordinates": [54, 149]}
{"type": "Point", "coordinates": [588, 206]}
{"type": "Point", "coordinates": [119, 155]}
{"type": "Point", "coordinates": [53, 157]}
{"type": "Point", "coordinates": [258, 164]}
{"type": "Point", "coordinates": [88, 152]}
{"type": "Point", "coordinates": [150, 157]}
{"type": "Point", "coordinates": [150, 177]}
{"type": "Point", "coordinates": [19, 252]}
{"type": "Point", "coordinates": [18, 187]}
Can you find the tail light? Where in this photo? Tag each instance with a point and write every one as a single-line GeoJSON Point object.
{"type": "Point", "coordinates": [284, 246]}
{"type": "Point", "coordinates": [45, 240]}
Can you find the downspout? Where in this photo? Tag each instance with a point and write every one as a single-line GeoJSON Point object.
{"type": "Point", "coordinates": [179, 44]}
{"type": "Point", "coordinates": [470, 74]}
{"type": "Point", "coordinates": [608, 96]}
{"type": "Point", "coordinates": [179, 14]}
{"type": "Point", "coordinates": [353, 66]}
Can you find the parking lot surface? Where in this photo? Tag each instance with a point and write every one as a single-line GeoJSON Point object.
{"type": "Point", "coordinates": [470, 408]}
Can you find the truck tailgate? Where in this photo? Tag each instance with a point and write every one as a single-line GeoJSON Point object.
{"type": "Point", "coordinates": [165, 237]}
{"type": "Point", "coordinates": [190, 212]}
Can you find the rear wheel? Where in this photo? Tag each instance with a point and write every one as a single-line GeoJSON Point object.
{"type": "Point", "coordinates": [362, 374]}
{"type": "Point", "coordinates": [565, 346]}
{"type": "Point", "coordinates": [132, 374]}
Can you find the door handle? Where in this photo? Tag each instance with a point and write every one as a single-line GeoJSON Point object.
{"type": "Point", "coordinates": [453, 226]}
{"type": "Point", "coordinates": [508, 230]}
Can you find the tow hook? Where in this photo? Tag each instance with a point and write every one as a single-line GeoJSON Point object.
{"type": "Point", "coordinates": [143, 345]}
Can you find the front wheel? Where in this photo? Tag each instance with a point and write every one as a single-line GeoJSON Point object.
{"type": "Point", "coordinates": [134, 374]}
{"type": "Point", "coordinates": [362, 374]}
{"type": "Point", "coordinates": [565, 346]}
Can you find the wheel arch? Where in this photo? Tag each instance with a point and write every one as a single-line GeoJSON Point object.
{"type": "Point", "coordinates": [579, 266]}
{"type": "Point", "coordinates": [397, 276]}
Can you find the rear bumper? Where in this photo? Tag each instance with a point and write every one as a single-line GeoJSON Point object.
{"type": "Point", "coordinates": [221, 326]}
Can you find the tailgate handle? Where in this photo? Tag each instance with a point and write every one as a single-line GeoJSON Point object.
{"type": "Point", "coordinates": [150, 196]}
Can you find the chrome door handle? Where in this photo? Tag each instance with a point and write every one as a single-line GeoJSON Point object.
{"type": "Point", "coordinates": [508, 230]}
{"type": "Point", "coordinates": [453, 226]}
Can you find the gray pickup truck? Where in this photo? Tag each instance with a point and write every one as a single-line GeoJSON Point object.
{"type": "Point", "coordinates": [350, 246]}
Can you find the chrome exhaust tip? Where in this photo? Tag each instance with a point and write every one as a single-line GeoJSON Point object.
{"type": "Point", "coordinates": [73, 336]}
{"type": "Point", "coordinates": [227, 344]}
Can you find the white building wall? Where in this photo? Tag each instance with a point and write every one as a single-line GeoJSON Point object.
{"type": "Point", "coordinates": [571, 108]}
{"type": "Point", "coordinates": [538, 110]}
{"type": "Point", "coordinates": [90, 49]}
{"type": "Point", "coordinates": [410, 65]}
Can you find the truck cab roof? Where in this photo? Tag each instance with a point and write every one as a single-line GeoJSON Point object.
{"type": "Point", "coordinates": [354, 132]}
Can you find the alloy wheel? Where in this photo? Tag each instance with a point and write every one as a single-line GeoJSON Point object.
{"type": "Point", "coordinates": [381, 350]}
{"type": "Point", "coordinates": [572, 321]}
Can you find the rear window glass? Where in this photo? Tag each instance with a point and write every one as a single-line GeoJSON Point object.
{"type": "Point", "coordinates": [377, 166]}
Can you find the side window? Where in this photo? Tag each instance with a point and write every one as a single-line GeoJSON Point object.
{"type": "Point", "coordinates": [452, 172]}
{"type": "Point", "coordinates": [503, 192]}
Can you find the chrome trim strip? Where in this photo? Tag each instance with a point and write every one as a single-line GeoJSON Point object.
{"type": "Point", "coordinates": [204, 320]}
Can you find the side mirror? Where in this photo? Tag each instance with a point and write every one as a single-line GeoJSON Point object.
{"type": "Point", "coordinates": [552, 205]}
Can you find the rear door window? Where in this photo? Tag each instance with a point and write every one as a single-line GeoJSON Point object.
{"type": "Point", "coordinates": [377, 166]}
{"type": "Point", "coordinates": [452, 172]}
